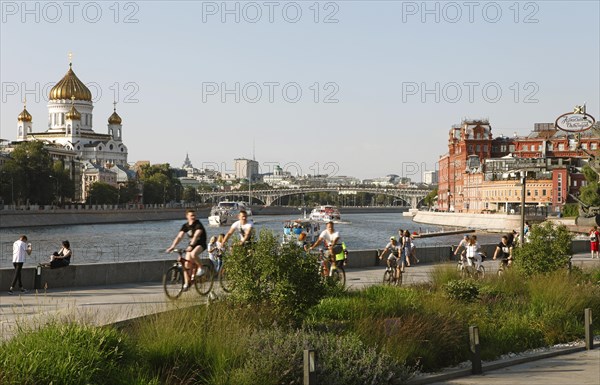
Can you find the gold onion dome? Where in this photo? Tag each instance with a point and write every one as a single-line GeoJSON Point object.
{"type": "Point", "coordinates": [24, 116]}
{"type": "Point", "coordinates": [114, 118]}
{"type": "Point", "coordinates": [70, 86]}
{"type": "Point", "coordinates": [73, 114]}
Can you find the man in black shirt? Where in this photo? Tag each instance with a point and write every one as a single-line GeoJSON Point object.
{"type": "Point", "coordinates": [197, 234]}
{"type": "Point", "coordinates": [504, 250]}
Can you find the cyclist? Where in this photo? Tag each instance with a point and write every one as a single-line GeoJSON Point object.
{"type": "Point", "coordinates": [243, 227]}
{"type": "Point", "coordinates": [331, 240]}
{"type": "Point", "coordinates": [395, 251]}
{"type": "Point", "coordinates": [504, 249]}
{"type": "Point", "coordinates": [197, 234]}
{"type": "Point", "coordinates": [473, 253]}
{"type": "Point", "coordinates": [342, 256]}
{"type": "Point", "coordinates": [463, 243]}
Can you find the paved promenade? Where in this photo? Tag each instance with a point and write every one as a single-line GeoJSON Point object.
{"type": "Point", "coordinates": [102, 305]}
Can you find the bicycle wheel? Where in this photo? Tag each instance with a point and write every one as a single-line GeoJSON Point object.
{"type": "Point", "coordinates": [387, 277]}
{"type": "Point", "coordinates": [480, 273]}
{"type": "Point", "coordinates": [399, 279]}
{"type": "Point", "coordinates": [338, 275]}
{"type": "Point", "coordinates": [173, 282]}
{"type": "Point", "coordinates": [204, 282]}
{"type": "Point", "coordinates": [226, 283]}
{"type": "Point", "coordinates": [463, 271]}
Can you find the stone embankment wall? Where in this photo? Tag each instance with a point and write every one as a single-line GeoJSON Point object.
{"type": "Point", "coordinates": [488, 222]}
{"type": "Point", "coordinates": [107, 274]}
{"type": "Point", "coordinates": [31, 218]}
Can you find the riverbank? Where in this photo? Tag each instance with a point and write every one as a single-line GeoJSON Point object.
{"type": "Point", "coordinates": [487, 222]}
{"type": "Point", "coordinates": [48, 216]}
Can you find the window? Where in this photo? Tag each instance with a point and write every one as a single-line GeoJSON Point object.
{"type": "Point", "coordinates": [525, 147]}
{"type": "Point", "coordinates": [503, 148]}
{"type": "Point", "coordinates": [511, 148]}
{"type": "Point", "coordinates": [470, 149]}
{"type": "Point", "coordinates": [540, 147]}
{"type": "Point", "coordinates": [561, 147]}
{"type": "Point", "coordinates": [544, 192]}
{"type": "Point", "coordinates": [535, 192]}
{"type": "Point", "coordinates": [584, 146]}
{"type": "Point", "coordinates": [594, 146]}
{"type": "Point", "coordinates": [485, 148]}
{"type": "Point", "coordinates": [528, 193]}
{"type": "Point", "coordinates": [477, 148]}
{"type": "Point", "coordinates": [550, 147]}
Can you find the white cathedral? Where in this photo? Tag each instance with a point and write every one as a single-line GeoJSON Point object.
{"type": "Point", "coordinates": [70, 125]}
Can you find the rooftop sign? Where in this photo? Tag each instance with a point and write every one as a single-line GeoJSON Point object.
{"type": "Point", "coordinates": [576, 121]}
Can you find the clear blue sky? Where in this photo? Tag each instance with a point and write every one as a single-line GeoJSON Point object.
{"type": "Point", "coordinates": [377, 60]}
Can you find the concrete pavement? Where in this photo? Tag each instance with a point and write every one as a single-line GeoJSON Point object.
{"type": "Point", "coordinates": [582, 368]}
{"type": "Point", "coordinates": [104, 305]}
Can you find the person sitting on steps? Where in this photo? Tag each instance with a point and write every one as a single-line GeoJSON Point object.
{"type": "Point", "coordinates": [60, 258]}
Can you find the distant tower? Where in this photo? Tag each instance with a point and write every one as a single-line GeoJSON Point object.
{"type": "Point", "coordinates": [24, 123]}
{"type": "Point", "coordinates": [114, 124]}
{"type": "Point", "coordinates": [187, 163]}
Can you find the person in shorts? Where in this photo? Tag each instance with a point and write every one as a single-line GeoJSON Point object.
{"type": "Point", "coordinates": [594, 241]}
{"type": "Point", "coordinates": [197, 234]}
{"type": "Point", "coordinates": [504, 251]}
{"type": "Point", "coordinates": [394, 256]}
{"type": "Point", "coordinates": [332, 241]}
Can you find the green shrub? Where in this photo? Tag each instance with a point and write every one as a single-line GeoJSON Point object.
{"type": "Point", "coordinates": [65, 354]}
{"type": "Point", "coordinates": [570, 210]}
{"type": "Point", "coordinates": [442, 274]}
{"type": "Point", "coordinates": [548, 249]}
{"type": "Point", "coordinates": [276, 357]}
{"type": "Point", "coordinates": [462, 290]}
{"type": "Point", "coordinates": [283, 276]}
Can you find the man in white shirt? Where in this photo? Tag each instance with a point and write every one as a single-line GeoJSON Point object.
{"type": "Point", "coordinates": [243, 227]}
{"type": "Point", "coordinates": [20, 249]}
{"type": "Point", "coordinates": [331, 239]}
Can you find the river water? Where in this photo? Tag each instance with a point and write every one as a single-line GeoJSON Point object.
{"type": "Point", "coordinates": [147, 240]}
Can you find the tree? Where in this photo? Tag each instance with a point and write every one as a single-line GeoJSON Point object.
{"type": "Point", "coordinates": [190, 194]}
{"type": "Point", "coordinates": [128, 192]}
{"type": "Point", "coordinates": [548, 249]}
{"type": "Point", "coordinates": [161, 184]}
{"type": "Point", "coordinates": [431, 198]}
{"type": "Point", "coordinates": [64, 187]}
{"type": "Point", "coordinates": [102, 194]}
{"type": "Point", "coordinates": [590, 194]}
{"type": "Point", "coordinates": [26, 176]}
{"type": "Point", "coordinates": [283, 277]}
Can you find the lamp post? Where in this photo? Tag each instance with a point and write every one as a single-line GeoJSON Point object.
{"type": "Point", "coordinates": [523, 192]}
{"type": "Point", "coordinates": [449, 196]}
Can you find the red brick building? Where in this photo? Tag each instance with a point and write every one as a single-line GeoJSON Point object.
{"type": "Point", "coordinates": [477, 166]}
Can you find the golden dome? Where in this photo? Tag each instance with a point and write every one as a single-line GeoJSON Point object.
{"type": "Point", "coordinates": [70, 86]}
{"type": "Point", "coordinates": [114, 118]}
{"type": "Point", "coordinates": [24, 116]}
{"type": "Point", "coordinates": [73, 114]}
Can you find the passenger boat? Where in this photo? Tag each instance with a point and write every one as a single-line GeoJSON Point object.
{"type": "Point", "coordinates": [226, 212]}
{"type": "Point", "coordinates": [293, 231]}
{"type": "Point", "coordinates": [325, 214]}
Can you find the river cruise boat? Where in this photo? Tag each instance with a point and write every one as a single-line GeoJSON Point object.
{"type": "Point", "coordinates": [302, 231]}
{"type": "Point", "coordinates": [325, 214]}
{"type": "Point", "coordinates": [226, 212]}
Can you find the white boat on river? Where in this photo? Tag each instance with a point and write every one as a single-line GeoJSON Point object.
{"type": "Point", "coordinates": [226, 212]}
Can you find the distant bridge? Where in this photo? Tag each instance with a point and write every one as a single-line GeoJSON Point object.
{"type": "Point", "coordinates": [411, 196]}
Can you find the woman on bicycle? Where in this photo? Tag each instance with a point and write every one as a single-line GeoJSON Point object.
{"type": "Point", "coordinates": [473, 253]}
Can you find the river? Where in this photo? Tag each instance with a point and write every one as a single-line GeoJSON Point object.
{"type": "Point", "coordinates": [148, 240]}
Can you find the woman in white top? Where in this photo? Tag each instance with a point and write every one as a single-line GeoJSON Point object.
{"type": "Point", "coordinates": [473, 254]}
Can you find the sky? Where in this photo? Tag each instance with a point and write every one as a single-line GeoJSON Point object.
{"type": "Point", "coordinates": [360, 88]}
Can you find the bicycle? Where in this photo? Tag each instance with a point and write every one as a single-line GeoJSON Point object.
{"type": "Point", "coordinates": [226, 284]}
{"type": "Point", "coordinates": [173, 278]}
{"type": "Point", "coordinates": [505, 264]}
{"type": "Point", "coordinates": [389, 276]}
{"type": "Point", "coordinates": [467, 270]}
{"type": "Point", "coordinates": [335, 273]}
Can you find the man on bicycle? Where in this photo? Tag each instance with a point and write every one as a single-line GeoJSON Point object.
{"type": "Point", "coordinates": [244, 228]}
{"type": "Point", "coordinates": [197, 234]}
{"type": "Point", "coordinates": [504, 250]}
{"type": "Point", "coordinates": [331, 240]}
{"type": "Point", "coordinates": [394, 257]}
{"type": "Point", "coordinates": [463, 243]}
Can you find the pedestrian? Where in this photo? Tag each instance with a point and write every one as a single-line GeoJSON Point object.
{"type": "Point", "coordinates": [594, 241]}
{"type": "Point", "coordinates": [406, 247]}
{"type": "Point", "coordinates": [20, 248]}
